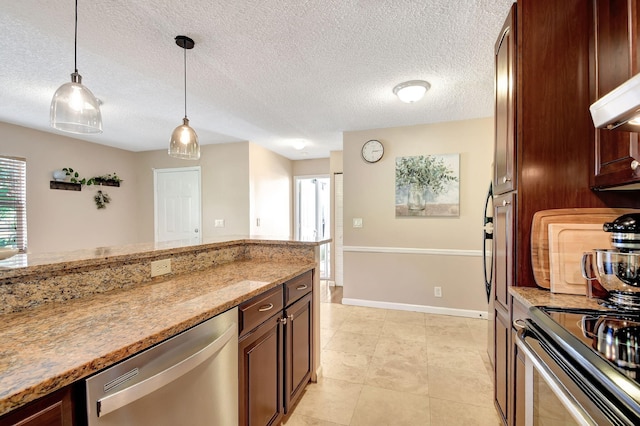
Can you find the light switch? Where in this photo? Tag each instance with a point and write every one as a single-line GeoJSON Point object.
{"type": "Point", "coordinates": [357, 222]}
{"type": "Point", "coordinates": [219, 223]}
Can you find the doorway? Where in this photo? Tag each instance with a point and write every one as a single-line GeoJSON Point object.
{"type": "Point", "coordinates": [177, 212]}
{"type": "Point", "coordinates": [312, 215]}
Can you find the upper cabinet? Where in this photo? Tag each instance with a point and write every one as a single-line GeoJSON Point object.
{"type": "Point", "coordinates": [614, 49]}
{"type": "Point", "coordinates": [505, 121]}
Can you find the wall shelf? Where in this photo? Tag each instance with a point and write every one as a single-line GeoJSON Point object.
{"type": "Point", "coordinates": [105, 182]}
{"type": "Point", "coordinates": [67, 186]}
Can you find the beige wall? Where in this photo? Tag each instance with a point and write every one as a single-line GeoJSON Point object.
{"type": "Point", "coordinates": [318, 166]}
{"type": "Point", "coordinates": [225, 187]}
{"type": "Point", "coordinates": [400, 260]}
{"type": "Point", "coordinates": [59, 220]}
{"type": "Point", "coordinates": [270, 192]}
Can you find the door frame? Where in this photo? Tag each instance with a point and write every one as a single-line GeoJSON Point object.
{"type": "Point", "coordinates": [155, 195]}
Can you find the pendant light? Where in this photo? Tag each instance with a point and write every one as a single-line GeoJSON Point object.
{"type": "Point", "coordinates": [184, 141]}
{"type": "Point", "coordinates": [74, 109]}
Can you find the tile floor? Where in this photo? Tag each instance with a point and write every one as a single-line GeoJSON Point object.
{"type": "Point", "coordinates": [387, 367]}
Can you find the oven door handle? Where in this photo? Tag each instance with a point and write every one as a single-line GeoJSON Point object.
{"type": "Point", "coordinates": [532, 360]}
{"type": "Point", "coordinates": [126, 396]}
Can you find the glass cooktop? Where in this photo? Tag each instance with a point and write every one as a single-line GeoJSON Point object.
{"type": "Point", "coordinates": [614, 336]}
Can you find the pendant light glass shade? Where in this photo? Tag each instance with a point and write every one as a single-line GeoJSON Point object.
{"type": "Point", "coordinates": [74, 109]}
{"type": "Point", "coordinates": [184, 140]}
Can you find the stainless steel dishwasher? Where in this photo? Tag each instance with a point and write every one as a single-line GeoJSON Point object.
{"type": "Point", "coordinates": [189, 379]}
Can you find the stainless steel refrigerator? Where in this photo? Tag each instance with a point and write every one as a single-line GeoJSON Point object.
{"type": "Point", "coordinates": [487, 256]}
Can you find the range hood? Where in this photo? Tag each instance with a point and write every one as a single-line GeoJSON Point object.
{"type": "Point", "coordinates": [620, 108]}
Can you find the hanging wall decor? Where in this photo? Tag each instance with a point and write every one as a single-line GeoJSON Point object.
{"type": "Point", "coordinates": [102, 199]}
{"type": "Point", "coordinates": [428, 185]}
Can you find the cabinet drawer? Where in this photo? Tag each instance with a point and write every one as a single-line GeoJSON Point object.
{"type": "Point", "coordinates": [298, 287]}
{"type": "Point", "coordinates": [257, 310]}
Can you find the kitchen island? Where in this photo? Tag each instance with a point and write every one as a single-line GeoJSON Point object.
{"type": "Point", "coordinates": [69, 317]}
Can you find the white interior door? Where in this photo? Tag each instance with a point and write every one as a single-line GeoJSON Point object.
{"type": "Point", "coordinates": [177, 204]}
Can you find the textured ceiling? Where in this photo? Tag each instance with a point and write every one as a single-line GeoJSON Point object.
{"type": "Point", "coordinates": [267, 71]}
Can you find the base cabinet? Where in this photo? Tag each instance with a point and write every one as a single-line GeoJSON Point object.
{"type": "Point", "coordinates": [56, 409]}
{"type": "Point", "coordinates": [275, 351]}
{"type": "Point", "coordinates": [298, 346]}
{"type": "Point", "coordinates": [261, 374]}
{"type": "Point", "coordinates": [502, 366]}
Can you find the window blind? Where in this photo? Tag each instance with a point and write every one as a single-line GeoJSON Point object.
{"type": "Point", "coordinates": [13, 203]}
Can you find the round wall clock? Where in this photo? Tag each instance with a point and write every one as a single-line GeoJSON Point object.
{"type": "Point", "coordinates": [372, 151]}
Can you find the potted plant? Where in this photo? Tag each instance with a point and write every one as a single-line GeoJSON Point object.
{"type": "Point", "coordinates": [107, 180]}
{"type": "Point", "coordinates": [75, 177]}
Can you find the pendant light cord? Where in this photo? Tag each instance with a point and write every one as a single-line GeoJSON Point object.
{"type": "Point", "coordinates": [75, 42]}
{"type": "Point", "coordinates": [185, 80]}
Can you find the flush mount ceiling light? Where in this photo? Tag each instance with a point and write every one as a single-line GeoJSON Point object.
{"type": "Point", "coordinates": [411, 91]}
{"type": "Point", "coordinates": [184, 141]}
{"type": "Point", "coordinates": [74, 109]}
{"type": "Point", "coordinates": [299, 144]}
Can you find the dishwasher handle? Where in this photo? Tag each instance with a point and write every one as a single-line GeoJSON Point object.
{"type": "Point", "coordinates": [128, 395]}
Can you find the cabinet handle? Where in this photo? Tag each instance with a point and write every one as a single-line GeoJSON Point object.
{"type": "Point", "coordinates": [302, 287]}
{"type": "Point", "coordinates": [505, 203]}
{"type": "Point", "coordinates": [265, 308]}
{"type": "Point", "coordinates": [290, 317]}
{"type": "Point", "coordinates": [283, 320]}
{"type": "Point", "coordinates": [634, 165]}
{"type": "Point", "coordinates": [506, 179]}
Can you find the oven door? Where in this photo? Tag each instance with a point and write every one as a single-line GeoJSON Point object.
{"type": "Point", "coordinates": [557, 393]}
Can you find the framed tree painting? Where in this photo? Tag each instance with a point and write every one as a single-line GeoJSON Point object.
{"type": "Point", "coordinates": [428, 185]}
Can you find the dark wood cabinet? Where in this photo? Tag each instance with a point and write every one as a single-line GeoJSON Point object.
{"type": "Point", "coordinates": [298, 355]}
{"type": "Point", "coordinates": [615, 57]}
{"type": "Point", "coordinates": [502, 366]}
{"type": "Point", "coordinates": [260, 374]}
{"type": "Point", "coordinates": [519, 313]}
{"type": "Point", "coordinates": [275, 351]}
{"type": "Point", "coordinates": [504, 177]}
{"type": "Point", "coordinates": [504, 207]}
{"type": "Point", "coordinates": [518, 386]}
{"type": "Point", "coordinates": [56, 409]}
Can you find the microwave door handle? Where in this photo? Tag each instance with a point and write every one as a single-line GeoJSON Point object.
{"type": "Point", "coordinates": [128, 395]}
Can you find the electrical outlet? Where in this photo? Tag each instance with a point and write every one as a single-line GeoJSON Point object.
{"type": "Point", "coordinates": [160, 267]}
{"type": "Point", "coordinates": [218, 223]}
{"type": "Point", "coordinates": [437, 291]}
{"type": "Point", "coordinates": [357, 222]}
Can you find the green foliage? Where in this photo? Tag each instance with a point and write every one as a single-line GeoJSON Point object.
{"type": "Point", "coordinates": [75, 177]}
{"type": "Point", "coordinates": [426, 171]}
{"type": "Point", "coordinates": [108, 178]}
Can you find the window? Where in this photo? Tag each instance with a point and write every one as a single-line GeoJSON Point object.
{"type": "Point", "coordinates": [13, 203]}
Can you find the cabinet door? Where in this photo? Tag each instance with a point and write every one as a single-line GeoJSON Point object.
{"type": "Point", "coordinates": [505, 119]}
{"type": "Point", "coordinates": [518, 386]}
{"type": "Point", "coordinates": [260, 375]}
{"type": "Point", "coordinates": [52, 410]}
{"type": "Point", "coordinates": [501, 370]}
{"type": "Point", "coordinates": [298, 349]}
{"type": "Point", "coordinates": [503, 238]}
{"type": "Point", "coordinates": [615, 56]}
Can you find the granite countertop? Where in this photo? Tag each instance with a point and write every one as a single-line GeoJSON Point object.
{"type": "Point", "coordinates": [53, 345]}
{"type": "Point", "coordinates": [534, 296]}
{"type": "Point", "coordinates": [25, 264]}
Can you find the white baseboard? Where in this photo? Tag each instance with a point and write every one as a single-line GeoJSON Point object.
{"type": "Point", "coordinates": [417, 308]}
